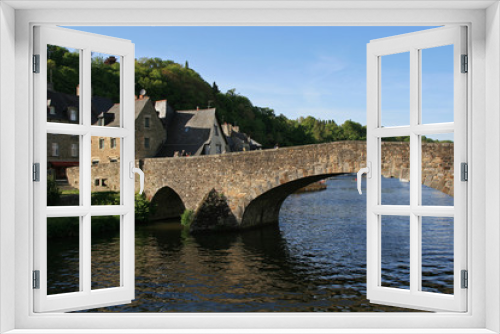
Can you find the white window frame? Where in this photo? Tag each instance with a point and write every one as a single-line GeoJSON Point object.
{"type": "Point", "coordinates": [484, 211]}
{"type": "Point", "coordinates": [413, 44]}
{"type": "Point", "coordinates": [85, 297]}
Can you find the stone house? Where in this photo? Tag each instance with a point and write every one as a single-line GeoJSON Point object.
{"type": "Point", "coordinates": [63, 150]}
{"type": "Point", "coordinates": [150, 133]}
{"type": "Point", "coordinates": [239, 141]}
{"type": "Point", "coordinates": [193, 133]}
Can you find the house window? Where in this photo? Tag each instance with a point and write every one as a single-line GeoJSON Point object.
{"type": "Point", "coordinates": [95, 162]}
{"type": "Point", "coordinates": [113, 142]}
{"type": "Point", "coordinates": [96, 182]}
{"type": "Point", "coordinates": [207, 149]}
{"type": "Point", "coordinates": [147, 121]}
{"type": "Point", "coordinates": [113, 159]}
{"type": "Point", "coordinates": [74, 150]}
{"type": "Point", "coordinates": [216, 130]}
{"type": "Point", "coordinates": [55, 149]}
{"type": "Point", "coordinates": [101, 143]}
{"type": "Point", "coordinates": [146, 143]}
{"type": "Point", "coordinates": [73, 114]}
{"type": "Point", "coordinates": [218, 148]}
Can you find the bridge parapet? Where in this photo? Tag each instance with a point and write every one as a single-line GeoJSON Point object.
{"type": "Point", "coordinates": [254, 184]}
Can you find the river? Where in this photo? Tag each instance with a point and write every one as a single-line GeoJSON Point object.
{"type": "Point", "coordinates": [314, 260]}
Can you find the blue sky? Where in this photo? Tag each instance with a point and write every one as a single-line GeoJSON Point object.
{"type": "Point", "coordinates": [299, 71]}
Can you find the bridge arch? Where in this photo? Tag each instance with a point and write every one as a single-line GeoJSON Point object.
{"type": "Point", "coordinates": [168, 204]}
{"type": "Point", "coordinates": [265, 208]}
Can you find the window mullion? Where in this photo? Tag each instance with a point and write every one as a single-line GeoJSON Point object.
{"type": "Point", "coordinates": [415, 259]}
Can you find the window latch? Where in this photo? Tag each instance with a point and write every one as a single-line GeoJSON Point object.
{"type": "Point", "coordinates": [368, 171]}
{"type": "Point", "coordinates": [134, 170]}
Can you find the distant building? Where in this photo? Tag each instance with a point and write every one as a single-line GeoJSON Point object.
{"type": "Point", "coordinates": [63, 150]}
{"type": "Point", "coordinates": [193, 133]}
{"type": "Point", "coordinates": [239, 141]}
{"type": "Point", "coordinates": [150, 133]}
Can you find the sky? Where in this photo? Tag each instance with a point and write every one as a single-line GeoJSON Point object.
{"type": "Point", "coordinates": [301, 71]}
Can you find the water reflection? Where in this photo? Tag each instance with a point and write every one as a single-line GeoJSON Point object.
{"type": "Point", "coordinates": [315, 260]}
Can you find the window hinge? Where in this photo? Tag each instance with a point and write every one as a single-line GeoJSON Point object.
{"type": "Point", "coordinates": [464, 171]}
{"type": "Point", "coordinates": [465, 279]}
{"type": "Point", "coordinates": [36, 279]}
{"type": "Point", "coordinates": [465, 64]}
{"type": "Point", "coordinates": [36, 172]}
{"type": "Point", "coordinates": [36, 63]}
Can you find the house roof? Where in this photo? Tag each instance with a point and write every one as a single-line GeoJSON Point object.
{"type": "Point", "coordinates": [61, 102]}
{"type": "Point", "coordinates": [115, 112]}
{"type": "Point", "coordinates": [188, 131]}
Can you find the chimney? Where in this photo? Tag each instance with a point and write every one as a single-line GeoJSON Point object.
{"type": "Point", "coordinates": [78, 90]}
{"type": "Point", "coordinates": [226, 128]}
{"type": "Point", "coordinates": [197, 108]}
{"type": "Point", "coordinates": [161, 108]}
{"type": "Point", "coordinates": [142, 94]}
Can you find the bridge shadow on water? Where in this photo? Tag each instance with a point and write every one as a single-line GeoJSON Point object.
{"type": "Point", "coordinates": [265, 209]}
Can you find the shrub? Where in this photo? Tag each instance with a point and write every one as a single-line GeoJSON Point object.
{"type": "Point", "coordinates": [105, 198]}
{"type": "Point", "coordinates": [187, 217]}
{"type": "Point", "coordinates": [53, 192]}
{"type": "Point", "coordinates": [143, 208]}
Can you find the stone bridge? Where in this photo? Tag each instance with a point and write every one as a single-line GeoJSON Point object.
{"type": "Point", "coordinates": [245, 189]}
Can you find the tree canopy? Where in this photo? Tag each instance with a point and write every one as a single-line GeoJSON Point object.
{"type": "Point", "coordinates": [184, 88]}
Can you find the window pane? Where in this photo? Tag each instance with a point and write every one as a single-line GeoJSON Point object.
{"type": "Point", "coordinates": [395, 169]}
{"type": "Point", "coordinates": [437, 84]}
{"type": "Point", "coordinates": [105, 252]}
{"type": "Point", "coordinates": [395, 257]}
{"type": "Point", "coordinates": [437, 254]}
{"type": "Point", "coordinates": [63, 255]}
{"type": "Point", "coordinates": [63, 83]}
{"type": "Point", "coordinates": [105, 170]}
{"type": "Point", "coordinates": [395, 89]}
{"type": "Point", "coordinates": [438, 170]}
{"type": "Point", "coordinates": [105, 81]}
{"type": "Point", "coordinates": [63, 175]}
